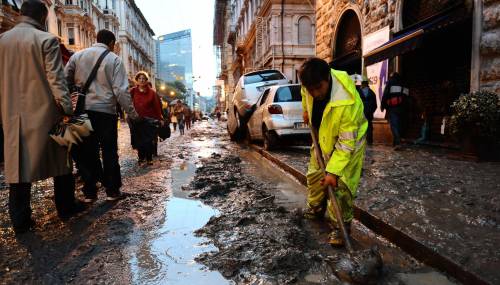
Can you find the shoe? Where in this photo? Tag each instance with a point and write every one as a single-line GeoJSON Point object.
{"type": "Point", "coordinates": [77, 208]}
{"type": "Point", "coordinates": [116, 197]}
{"type": "Point", "coordinates": [313, 214]}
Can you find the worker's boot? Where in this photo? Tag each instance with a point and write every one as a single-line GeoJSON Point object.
{"type": "Point", "coordinates": [335, 238]}
{"type": "Point", "coordinates": [315, 213]}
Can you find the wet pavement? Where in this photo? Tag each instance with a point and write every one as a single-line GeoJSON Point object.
{"type": "Point", "coordinates": [207, 212]}
{"type": "Point", "coordinates": [450, 206]}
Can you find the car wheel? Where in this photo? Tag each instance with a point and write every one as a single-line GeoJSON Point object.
{"type": "Point", "coordinates": [270, 139]}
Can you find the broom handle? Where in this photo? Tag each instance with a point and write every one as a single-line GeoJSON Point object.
{"type": "Point", "coordinates": [331, 194]}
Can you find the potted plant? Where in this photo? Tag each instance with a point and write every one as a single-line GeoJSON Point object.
{"type": "Point", "coordinates": [475, 121]}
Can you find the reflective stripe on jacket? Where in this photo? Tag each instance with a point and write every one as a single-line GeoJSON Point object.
{"type": "Point", "coordinates": [343, 129]}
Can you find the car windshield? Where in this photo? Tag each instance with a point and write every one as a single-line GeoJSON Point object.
{"type": "Point", "coordinates": [263, 76]}
{"type": "Point", "coordinates": [288, 94]}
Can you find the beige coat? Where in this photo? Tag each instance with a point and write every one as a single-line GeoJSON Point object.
{"type": "Point", "coordinates": [31, 84]}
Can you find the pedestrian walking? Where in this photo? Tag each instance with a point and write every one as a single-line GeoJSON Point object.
{"type": "Point", "coordinates": [187, 117]}
{"type": "Point", "coordinates": [109, 88]}
{"type": "Point", "coordinates": [148, 106]}
{"type": "Point", "coordinates": [333, 107]}
{"type": "Point", "coordinates": [173, 118]}
{"type": "Point", "coordinates": [179, 115]}
{"type": "Point", "coordinates": [33, 96]}
{"type": "Point", "coordinates": [393, 100]}
{"type": "Point", "coordinates": [370, 106]}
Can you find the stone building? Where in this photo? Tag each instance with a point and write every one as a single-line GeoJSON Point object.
{"type": "Point", "coordinates": [76, 23]}
{"type": "Point", "coordinates": [260, 34]}
{"type": "Point", "coordinates": [137, 46]}
{"type": "Point", "coordinates": [442, 48]}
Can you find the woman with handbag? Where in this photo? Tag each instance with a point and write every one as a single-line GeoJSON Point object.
{"type": "Point", "coordinates": [149, 108]}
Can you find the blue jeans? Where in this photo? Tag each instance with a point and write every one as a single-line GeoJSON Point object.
{"type": "Point", "coordinates": [395, 122]}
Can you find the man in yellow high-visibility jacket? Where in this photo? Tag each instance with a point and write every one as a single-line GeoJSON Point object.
{"type": "Point", "coordinates": [331, 104]}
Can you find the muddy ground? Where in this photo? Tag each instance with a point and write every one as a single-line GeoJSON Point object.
{"type": "Point", "coordinates": [207, 212]}
{"type": "Point", "coordinates": [451, 205]}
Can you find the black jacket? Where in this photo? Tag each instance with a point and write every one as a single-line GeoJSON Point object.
{"type": "Point", "coordinates": [369, 102]}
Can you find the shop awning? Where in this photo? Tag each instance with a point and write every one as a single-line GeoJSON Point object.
{"type": "Point", "coordinates": [412, 37]}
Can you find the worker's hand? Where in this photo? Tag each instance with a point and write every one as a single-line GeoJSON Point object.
{"type": "Point", "coordinates": [305, 117]}
{"type": "Point", "coordinates": [330, 179]}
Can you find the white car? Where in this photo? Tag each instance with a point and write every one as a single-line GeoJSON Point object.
{"type": "Point", "coordinates": [245, 95]}
{"type": "Point", "coordinates": [278, 117]}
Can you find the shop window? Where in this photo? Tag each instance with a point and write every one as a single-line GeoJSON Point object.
{"type": "Point", "coordinates": [305, 31]}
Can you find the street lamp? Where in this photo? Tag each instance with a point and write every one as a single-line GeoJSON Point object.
{"type": "Point", "coordinates": [172, 93]}
{"type": "Point", "coordinates": [163, 87]}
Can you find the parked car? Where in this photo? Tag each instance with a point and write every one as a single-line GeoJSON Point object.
{"type": "Point", "coordinates": [245, 95]}
{"type": "Point", "coordinates": [278, 117]}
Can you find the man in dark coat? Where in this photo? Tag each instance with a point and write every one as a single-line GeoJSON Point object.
{"type": "Point", "coordinates": [370, 106]}
{"type": "Point", "coordinates": [395, 95]}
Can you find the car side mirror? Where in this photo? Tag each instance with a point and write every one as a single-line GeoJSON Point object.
{"type": "Point", "coordinates": [290, 81]}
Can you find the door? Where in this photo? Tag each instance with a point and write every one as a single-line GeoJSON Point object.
{"type": "Point", "coordinates": [256, 119]}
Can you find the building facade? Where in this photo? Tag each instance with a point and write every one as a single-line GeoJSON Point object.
{"type": "Point", "coordinates": [137, 46]}
{"type": "Point", "coordinates": [260, 34]}
{"type": "Point", "coordinates": [76, 23]}
{"type": "Point", "coordinates": [441, 48]}
{"type": "Point", "coordinates": [174, 55]}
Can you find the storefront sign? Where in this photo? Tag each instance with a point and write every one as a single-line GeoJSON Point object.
{"type": "Point", "coordinates": [377, 73]}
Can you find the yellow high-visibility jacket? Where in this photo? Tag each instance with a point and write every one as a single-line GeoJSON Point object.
{"type": "Point", "coordinates": [342, 131]}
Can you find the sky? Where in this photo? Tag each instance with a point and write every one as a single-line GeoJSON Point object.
{"type": "Point", "coordinates": [168, 16]}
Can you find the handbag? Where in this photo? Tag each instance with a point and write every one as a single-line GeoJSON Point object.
{"type": "Point", "coordinates": [164, 131]}
{"type": "Point", "coordinates": [67, 132]}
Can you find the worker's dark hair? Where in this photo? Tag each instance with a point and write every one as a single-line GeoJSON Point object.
{"type": "Point", "coordinates": [105, 37]}
{"type": "Point", "coordinates": [34, 9]}
{"type": "Point", "coordinates": [313, 71]}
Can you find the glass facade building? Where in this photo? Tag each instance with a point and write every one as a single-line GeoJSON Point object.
{"type": "Point", "coordinates": [174, 57]}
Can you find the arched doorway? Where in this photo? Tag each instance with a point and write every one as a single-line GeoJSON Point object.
{"type": "Point", "coordinates": [347, 48]}
{"type": "Point", "coordinates": [438, 71]}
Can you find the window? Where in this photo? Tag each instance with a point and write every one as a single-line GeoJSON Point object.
{"type": "Point", "coordinates": [71, 34]}
{"type": "Point", "coordinates": [288, 94]}
{"type": "Point", "coordinates": [305, 31]}
{"type": "Point", "coordinates": [260, 76]}
{"type": "Point", "coordinates": [106, 25]}
{"type": "Point", "coordinates": [264, 97]}
{"type": "Point", "coordinates": [59, 28]}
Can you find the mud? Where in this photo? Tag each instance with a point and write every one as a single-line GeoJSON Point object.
{"type": "Point", "coordinates": [449, 205]}
{"type": "Point", "coordinates": [207, 212]}
{"type": "Point", "coordinates": [258, 241]}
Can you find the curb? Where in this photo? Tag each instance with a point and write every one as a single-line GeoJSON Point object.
{"type": "Point", "coordinates": [410, 245]}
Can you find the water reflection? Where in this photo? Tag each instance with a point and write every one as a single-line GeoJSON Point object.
{"type": "Point", "coordinates": [166, 255]}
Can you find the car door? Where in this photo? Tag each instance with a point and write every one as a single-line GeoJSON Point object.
{"type": "Point", "coordinates": [256, 119]}
{"type": "Point", "coordinates": [259, 114]}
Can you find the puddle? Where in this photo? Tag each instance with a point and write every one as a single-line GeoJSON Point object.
{"type": "Point", "coordinates": [166, 255]}
{"type": "Point", "coordinates": [204, 148]}
{"type": "Point", "coordinates": [289, 192]}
